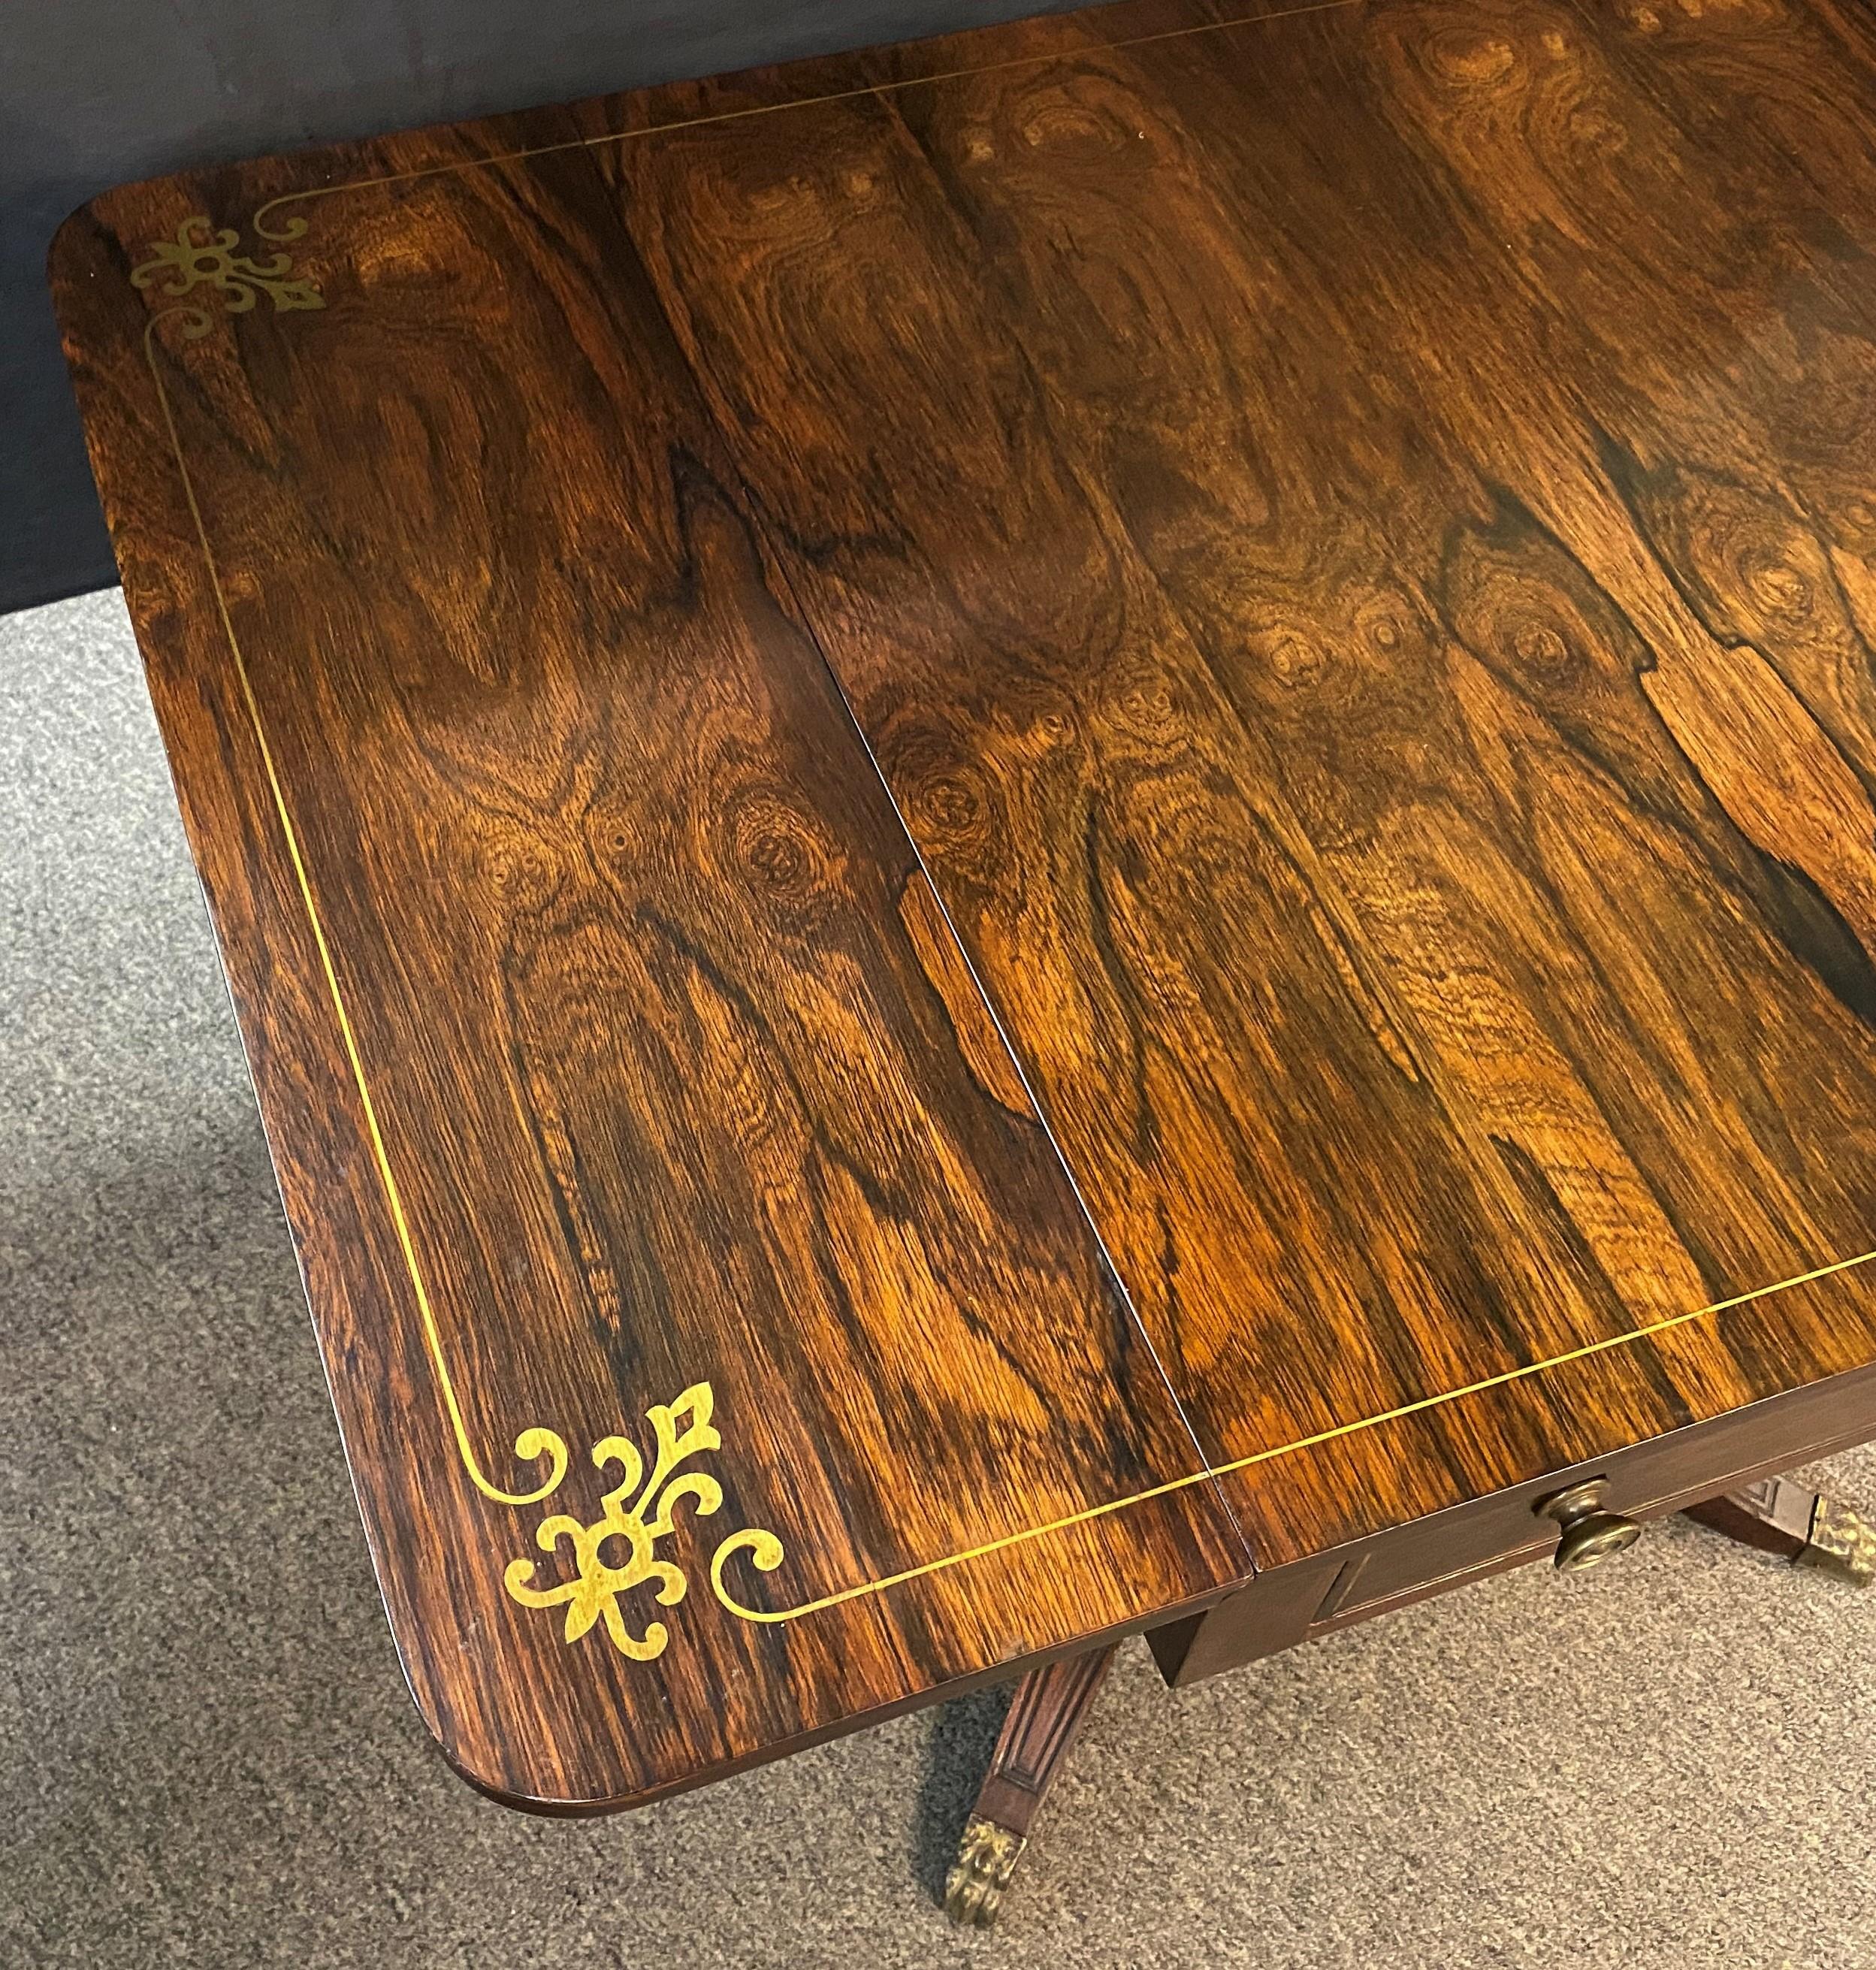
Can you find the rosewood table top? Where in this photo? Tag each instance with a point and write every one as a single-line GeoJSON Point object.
{"type": "Point", "coordinates": [1003, 826]}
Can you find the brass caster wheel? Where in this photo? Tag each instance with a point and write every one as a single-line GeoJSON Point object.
{"type": "Point", "coordinates": [986, 1860]}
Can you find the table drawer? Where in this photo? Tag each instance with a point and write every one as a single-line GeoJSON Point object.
{"type": "Point", "coordinates": [1352, 1583]}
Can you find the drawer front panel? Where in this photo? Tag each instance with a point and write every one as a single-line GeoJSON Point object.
{"type": "Point", "coordinates": [1353, 1583]}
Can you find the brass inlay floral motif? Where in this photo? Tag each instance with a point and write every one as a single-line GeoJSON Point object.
{"type": "Point", "coordinates": [683, 1430]}
{"type": "Point", "coordinates": [200, 255]}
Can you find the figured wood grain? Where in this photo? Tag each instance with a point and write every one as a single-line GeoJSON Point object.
{"type": "Point", "coordinates": [678, 1075]}
{"type": "Point", "coordinates": [1348, 535]}
{"type": "Point", "coordinates": [1244, 513]}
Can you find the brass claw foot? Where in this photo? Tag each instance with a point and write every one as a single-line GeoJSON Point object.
{"type": "Point", "coordinates": [1045, 1713]}
{"type": "Point", "coordinates": [986, 1860]}
{"type": "Point", "coordinates": [1841, 1541]}
{"type": "Point", "coordinates": [1777, 1516]}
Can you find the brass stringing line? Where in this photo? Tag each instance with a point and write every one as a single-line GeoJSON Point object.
{"type": "Point", "coordinates": [542, 1440]}
{"type": "Point", "coordinates": [1265, 1456]}
{"type": "Point", "coordinates": [295, 227]}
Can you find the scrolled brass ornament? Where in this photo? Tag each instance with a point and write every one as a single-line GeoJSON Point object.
{"type": "Point", "coordinates": [202, 256]}
{"type": "Point", "coordinates": [637, 1513]}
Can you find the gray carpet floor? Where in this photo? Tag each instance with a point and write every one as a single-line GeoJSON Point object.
{"type": "Point", "coordinates": [208, 1758]}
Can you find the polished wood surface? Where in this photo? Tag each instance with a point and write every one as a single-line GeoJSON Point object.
{"type": "Point", "coordinates": [1260, 490]}
{"type": "Point", "coordinates": [1349, 537]}
{"type": "Point", "coordinates": [674, 1075]}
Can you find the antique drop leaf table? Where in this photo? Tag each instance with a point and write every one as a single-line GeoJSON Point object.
{"type": "Point", "coordinates": [1063, 832]}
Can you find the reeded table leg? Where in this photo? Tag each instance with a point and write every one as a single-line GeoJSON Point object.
{"type": "Point", "coordinates": [1807, 1528]}
{"type": "Point", "coordinates": [1044, 1717]}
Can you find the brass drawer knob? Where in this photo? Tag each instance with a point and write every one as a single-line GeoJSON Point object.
{"type": "Point", "coordinates": [1589, 1534]}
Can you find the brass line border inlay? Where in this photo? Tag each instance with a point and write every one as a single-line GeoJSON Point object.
{"type": "Point", "coordinates": [1212, 1471]}
{"type": "Point", "coordinates": [590, 1597]}
{"type": "Point", "coordinates": [594, 1592]}
{"type": "Point", "coordinates": [295, 228]}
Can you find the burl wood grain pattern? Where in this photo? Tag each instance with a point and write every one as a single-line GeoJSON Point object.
{"type": "Point", "coordinates": [1349, 539]}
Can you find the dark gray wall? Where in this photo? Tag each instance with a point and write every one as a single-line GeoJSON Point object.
{"type": "Point", "coordinates": [94, 92]}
